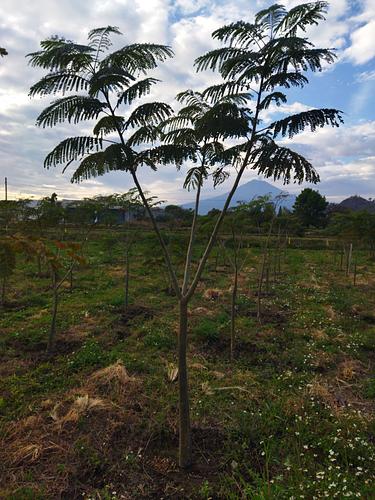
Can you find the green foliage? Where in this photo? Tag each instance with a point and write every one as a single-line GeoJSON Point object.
{"type": "Point", "coordinates": [175, 213]}
{"type": "Point", "coordinates": [207, 330]}
{"type": "Point", "coordinates": [354, 226]}
{"type": "Point", "coordinates": [255, 61]}
{"type": "Point", "coordinates": [89, 355]}
{"type": "Point", "coordinates": [257, 212]}
{"type": "Point", "coordinates": [257, 416]}
{"type": "Point", "coordinates": [7, 258]}
{"type": "Point", "coordinates": [159, 338]}
{"type": "Point", "coordinates": [93, 71]}
{"type": "Point", "coordinates": [310, 208]}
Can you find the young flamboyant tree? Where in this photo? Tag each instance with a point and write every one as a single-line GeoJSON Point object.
{"type": "Point", "coordinates": [259, 59]}
{"type": "Point", "coordinates": [7, 266]}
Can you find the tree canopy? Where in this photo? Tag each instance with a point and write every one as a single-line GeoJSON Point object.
{"type": "Point", "coordinates": [310, 208]}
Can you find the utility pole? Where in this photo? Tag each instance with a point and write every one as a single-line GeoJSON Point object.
{"type": "Point", "coordinates": [6, 204]}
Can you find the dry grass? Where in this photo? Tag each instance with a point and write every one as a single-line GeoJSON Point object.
{"type": "Point", "coordinates": [212, 294]}
{"type": "Point", "coordinates": [339, 396]}
{"type": "Point", "coordinates": [319, 335]}
{"type": "Point", "coordinates": [38, 443]}
{"type": "Point", "coordinates": [114, 379]}
{"type": "Point", "coordinates": [350, 369]}
{"type": "Point", "coordinates": [63, 414]}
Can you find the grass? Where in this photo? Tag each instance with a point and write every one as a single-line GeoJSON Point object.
{"type": "Point", "coordinates": [292, 417]}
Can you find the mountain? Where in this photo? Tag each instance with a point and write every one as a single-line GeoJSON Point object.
{"type": "Point", "coordinates": [246, 192]}
{"type": "Point", "coordinates": [357, 203]}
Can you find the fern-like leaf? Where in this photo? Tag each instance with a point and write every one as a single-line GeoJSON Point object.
{"type": "Point", "coordinates": [72, 149]}
{"type": "Point", "coordinates": [100, 38]}
{"type": "Point", "coordinates": [167, 154]}
{"type": "Point", "coordinates": [230, 88]}
{"type": "Point", "coordinates": [138, 58]}
{"type": "Point", "coordinates": [108, 125]}
{"type": "Point", "coordinates": [195, 177]}
{"type": "Point", "coordinates": [59, 82]}
{"type": "Point", "coordinates": [113, 158]}
{"type": "Point", "coordinates": [239, 33]}
{"type": "Point", "coordinates": [277, 97]}
{"type": "Point", "coordinates": [315, 118]}
{"type": "Point", "coordinates": [271, 17]}
{"type": "Point", "coordinates": [73, 108]}
{"type": "Point", "coordinates": [286, 80]}
{"type": "Point", "coordinates": [302, 16]}
{"type": "Point", "coordinates": [216, 58]}
{"type": "Point", "coordinates": [222, 121]}
{"type": "Point", "coordinates": [110, 79]}
{"type": "Point", "coordinates": [282, 163]}
{"type": "Point", "coordinates": [151, 113]}
{"type": "Point", "coordinates": [143, 135]}
{"type": "Point", "coordinates": [58, 54]}
{"type": "Point", "coordinates": [139, 89]}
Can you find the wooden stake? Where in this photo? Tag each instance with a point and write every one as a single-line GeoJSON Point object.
{"type": "Point", "coordinates": [349, 259]}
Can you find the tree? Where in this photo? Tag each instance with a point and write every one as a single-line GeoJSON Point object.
{"type": "Point", "coordinates": [175, 213]}
{"type": "Point", "coordinates": [7, 266]}
{"type": "Point", "coordinates": [257, 59]}
{"type": "Point", "coordinates": [310, 208]}
{"type": "Point", "coordinates": [237, 263]}
{"type": "Point", "coordinates": [259, 210]}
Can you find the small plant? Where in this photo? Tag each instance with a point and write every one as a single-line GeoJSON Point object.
{"type": "Point", "coordinates": [207, 331]}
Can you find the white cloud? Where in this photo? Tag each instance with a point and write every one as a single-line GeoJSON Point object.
{"type": "Point", "coordinates": [362, 48]}
{"type": "Point", "coordinates": [24, 24]}
{"type": "Point", "coordinates": [328, 144]}
{"type": "Point", "coordinates": [366, 76]}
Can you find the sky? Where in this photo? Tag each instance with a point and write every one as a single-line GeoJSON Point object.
{"type": "Point", "coordinates": [344, 157]}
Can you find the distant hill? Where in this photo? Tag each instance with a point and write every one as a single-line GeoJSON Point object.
{"type": "Point", "coordinates": [357, 203]}
{"type": "Point", "coordinates": [246, 192]}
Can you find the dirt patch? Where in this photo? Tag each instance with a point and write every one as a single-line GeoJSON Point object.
{"type": "Point", "coordinates": [36, 351]}
{"type": "Point", "coordinates": [271, 316]}
{"type": "Point", "coordinates": [121, 325]}
{"type": "Point", "coordinates": [83, 329]}
{"type": "Point", "coordinates": [14, 366]}
{"type": "Point", "coordinates": [340, 396]}
{"type": "Point", "coordinates": [365, 315]}
{"type": "Point", "coordinates": [136, 312]}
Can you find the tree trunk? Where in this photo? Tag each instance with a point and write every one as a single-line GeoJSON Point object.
{"type": "Point", "coordinates": [3, 287]}
{"type": "Point", "coordinates": [341, 259]}
{"type": "Point", "coordinates": [260, 284]}
{"type": "Point", "coordinates": [127, 268]}
{"type": "Point", "coordinates": [185, 454]}
{"type": "Point", "coordinates": [52, 332]}
{"type": "Point", "coordinates": [349, 261]}
{"type": "Point", "coordinates": [39, 263]}
{"type": "Point", "coordinates": [233, 315]}
{"type": "Point", "coordinates": [71, 280]}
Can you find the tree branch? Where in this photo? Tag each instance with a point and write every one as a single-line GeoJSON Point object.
{"type": "Point", "coordinates": [167, 257]}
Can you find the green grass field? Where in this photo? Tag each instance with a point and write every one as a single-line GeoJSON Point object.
{"type": "Point", "coordinates": [292, 417]}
